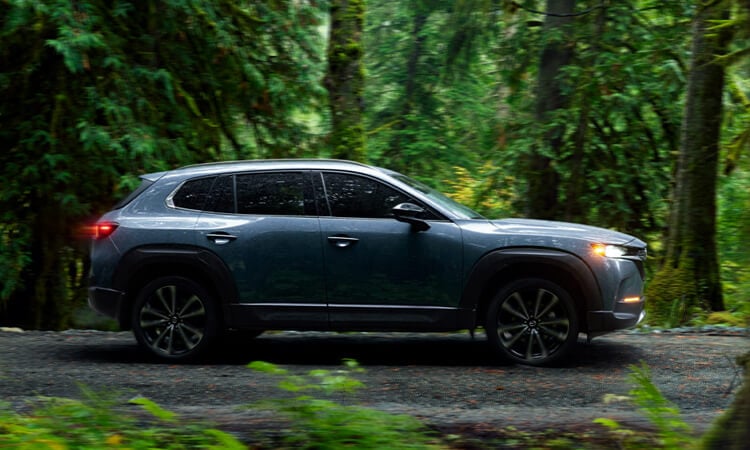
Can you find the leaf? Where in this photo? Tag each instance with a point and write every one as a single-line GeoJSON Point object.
{"type": "Point", "coordinates": [154, 409]}
{"type": "Point", "coordinates": [266, 367]}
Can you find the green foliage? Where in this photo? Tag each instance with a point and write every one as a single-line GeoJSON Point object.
{"type": "Point", "coordinates": [321, 423]}
{"type": "Point", "coordinates": [672, 429]}
{"type": "Point", "coordinates": [624, 112]}
{"type": "Point", "coordinates": [95, 422]}
{"type": "Point", "coordinates": [672, 432]}
{"type": "Point", "coordinates": [95, 93]}
{"type": "Point", "coordinates": [421, 120]}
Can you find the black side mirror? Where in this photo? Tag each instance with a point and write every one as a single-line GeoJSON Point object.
{"type": "Point", "coordinates": [407, 212]}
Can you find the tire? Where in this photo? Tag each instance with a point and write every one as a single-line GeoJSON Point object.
{"type": "Point", "coordinates": [532, 321]}
{"type": "Point", "coordinates": [175, 318]}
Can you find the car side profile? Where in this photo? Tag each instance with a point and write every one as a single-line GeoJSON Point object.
{"type": "Point", "coordinates": [342, 246]}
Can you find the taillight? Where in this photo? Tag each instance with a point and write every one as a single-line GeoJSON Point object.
{"type": "Point", "coordinates": [104, 229]}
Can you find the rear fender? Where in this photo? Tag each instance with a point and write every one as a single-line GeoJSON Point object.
{"type": "Point", "coordinates": [143, 264]}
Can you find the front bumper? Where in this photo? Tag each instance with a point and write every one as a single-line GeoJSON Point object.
{"type": "Point", "coordinates": [106, 301]}
{"type": "Point", "coordinates": [625, 315]}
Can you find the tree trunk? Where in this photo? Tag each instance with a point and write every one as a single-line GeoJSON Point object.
{"type": "Point", "coordinates": [732, 430]}
{"type": "Point", "coordinates": [413, 93]}
{"type": "Point", "coordinates": [542, 177]}
{"type": "Point", "coordinates": [689, 276]}
{"type": "Point", "coordinates": [345, 79]}
{"type": "Point", "coordinates": [575, 186]}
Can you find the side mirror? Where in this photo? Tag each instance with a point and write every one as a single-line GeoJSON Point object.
{"type": "Point", "coordinates": [407, 212]}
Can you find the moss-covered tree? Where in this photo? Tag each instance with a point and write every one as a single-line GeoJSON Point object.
{"type": "Point", "coordinates": [345, 80]}
{"type": "Point", "coordinates": [689, 275]}
{"type": "Point", "coordinates": [542, 178]}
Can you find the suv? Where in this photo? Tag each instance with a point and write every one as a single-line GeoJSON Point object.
{"type": "Point", "coordinates": [337, 245]}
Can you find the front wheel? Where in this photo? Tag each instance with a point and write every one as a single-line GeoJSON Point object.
{"type": "Point", "coordinates": [532, 321]}
{"type": "Point", "coordinates": [175, 318]}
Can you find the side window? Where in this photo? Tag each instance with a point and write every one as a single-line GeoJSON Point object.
{"type": "Point", "coordinates": [355, 196]}
{"type": "Point", "coordinates": [222, 195]}
{"type": "Point", "coordinates": [282, 193]}
{"type": "Point", "coordinates": [193, 194]}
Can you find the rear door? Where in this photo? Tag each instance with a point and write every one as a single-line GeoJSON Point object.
{"type": "Point", "coordinates": [264, 226]}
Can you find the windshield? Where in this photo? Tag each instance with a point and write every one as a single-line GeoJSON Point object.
{"type": "Point", "coordinates": [459, 210]}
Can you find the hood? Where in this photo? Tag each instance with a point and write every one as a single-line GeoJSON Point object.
{"type": "Point", "coordinates": [564, 229]}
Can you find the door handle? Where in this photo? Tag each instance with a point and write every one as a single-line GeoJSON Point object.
{"type": "Point", "coordinates": [220, 237]}
{"type": "Point", "coordinates": [342, 241]}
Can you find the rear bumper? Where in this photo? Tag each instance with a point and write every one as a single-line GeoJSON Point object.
{"type": "Point", "coordinates": [106, 301]}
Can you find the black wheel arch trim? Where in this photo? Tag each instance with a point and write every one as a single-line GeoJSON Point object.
{"type": "Point", "coordinates": [507, 264]}
{"type": "Point", "coordinates": [145, 263]}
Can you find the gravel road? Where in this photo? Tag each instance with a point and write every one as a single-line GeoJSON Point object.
{"type": "Point", "coordinates": [444, 379]}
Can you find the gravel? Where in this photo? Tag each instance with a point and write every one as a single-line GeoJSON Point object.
{"type": "Point", "coordinates": [445, 379]}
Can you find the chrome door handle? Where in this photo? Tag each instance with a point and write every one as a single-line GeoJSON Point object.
{"type": "Point", "coordinates": [220, 238]}
{"type": "Point", "coordinates": [342, 241]}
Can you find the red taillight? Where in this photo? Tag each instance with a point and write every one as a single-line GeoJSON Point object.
{"type": "Point", "coordinates": [104, 229]}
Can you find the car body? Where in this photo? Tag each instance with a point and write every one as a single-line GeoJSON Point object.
{"type": "Point", "coordinates": [342, 246]}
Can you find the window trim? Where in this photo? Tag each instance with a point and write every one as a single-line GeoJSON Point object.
{"type": "Point", "coordinates": [439, 216]}
{"type": "Point", "coordinates": [308, 192]}
{"type": "Point", "coordinates": [170, 198]}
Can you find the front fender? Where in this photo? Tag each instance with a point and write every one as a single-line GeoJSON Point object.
{"type": "Point", "coordinates": [495, 268]}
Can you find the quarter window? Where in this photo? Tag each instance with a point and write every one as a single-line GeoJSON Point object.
{"type": "Point", "coordinates": [193, 194]}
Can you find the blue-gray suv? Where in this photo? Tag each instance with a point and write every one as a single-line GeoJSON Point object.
{"type": "Point", "coordinates": [337, 245]}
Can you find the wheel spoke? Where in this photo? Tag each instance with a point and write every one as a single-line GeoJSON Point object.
{"type": "Point", "coordinates": [553, 302]}
{"type": "Point", "coordinates": [508, 343]}
{"type": "Point", "coordinates": [153, 323]}
{"type": "Point", "coordinates": [508, 328]}
{"type": "Point", "coordinates": [172, 291]}
{"type": "Point", "coordinates": [560, 321]}
{"type": "Point", "coordinates": [170, 341]}
{"type": "Point", "coordinates": [507, 307]}
{"type": "Point", "coordinates": [192, 300]}
{"type": "Point", "coordinates": [542, 347]}
{"type": "Point", "coordinates": [159, 338]}
{"type": "Point", "coordinates": [530, 346]}
{"type": "Point", "coordinates": [519, 300]}
{"type": "Point", "coordinates": [559, 335]}
{"type": "Point", "coordinates": [196, 334]}
{"type": "Point", "coordinates": [154, 312]}
{"type": "Point", "coordinates": [195, 331]}
{"type": "Point", "coordinates": [539, 295]}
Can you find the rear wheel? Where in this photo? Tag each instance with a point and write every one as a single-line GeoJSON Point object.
{"type": "Point", "coordinates": [175, 318]}
{"type": "Point", "coordinates": [532, 321]}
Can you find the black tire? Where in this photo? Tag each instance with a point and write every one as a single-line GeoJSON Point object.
{"type": "Point", "coordinates": [532, 321]}
{"type": "Point", "coordinates": [175, 318]}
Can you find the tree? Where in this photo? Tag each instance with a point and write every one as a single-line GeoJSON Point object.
{"type": "Point", "coordinates": [425, 116]}
{"type": "Point", "coordinates": [345, 79]}
{"type": "Point", "coordinates": [96, 92]}
{"type": "Point", "coordinates": [542, 177]}
{"type": "Point", "coordinates": [689, 275]}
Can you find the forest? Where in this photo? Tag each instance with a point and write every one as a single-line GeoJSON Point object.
{"type": "Point", "coordinates": [626, 114]}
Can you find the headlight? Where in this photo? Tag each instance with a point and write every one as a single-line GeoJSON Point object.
{"type": "Point", "coordinates": [610, 251]}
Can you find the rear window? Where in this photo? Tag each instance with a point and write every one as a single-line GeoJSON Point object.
{"type": "Point", "coordinates": [143, 186]}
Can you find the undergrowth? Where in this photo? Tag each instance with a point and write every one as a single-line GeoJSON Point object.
{"type": "Point", "coordinates": [314, 421]}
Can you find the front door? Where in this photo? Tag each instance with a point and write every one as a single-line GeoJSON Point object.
{"type": "Point", "coordinates": [380, 272]}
